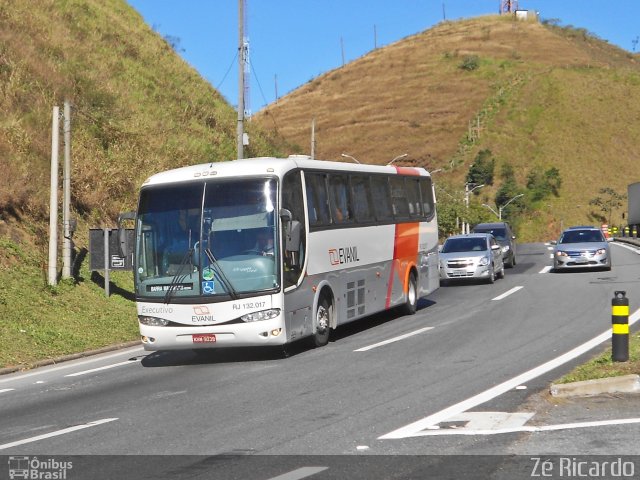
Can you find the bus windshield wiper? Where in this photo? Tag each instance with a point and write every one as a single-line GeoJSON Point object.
{"type": "Point", "coordinates": [179, 276]}
{"type": "Point", "coordinates": [223, 277]}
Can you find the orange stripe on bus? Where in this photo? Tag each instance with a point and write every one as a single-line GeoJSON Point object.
{"type": "Point", "coordinates": [405, 253]}
{"type": "Point", "coordinates": [408, 171]}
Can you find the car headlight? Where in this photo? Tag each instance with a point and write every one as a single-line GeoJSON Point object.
{"type": "Point", "coordinates": [601, 251]}
{"type": "Point", "coordinates": [505, 249]}
{"type": "Point", "coordinates": [261, 315]}
{"type": "Point", "coordinates": [560, 253]}
{"type": "Point", "coordinates": [484, 261]}
{"type": "Point", "coordinates": [153, 321]}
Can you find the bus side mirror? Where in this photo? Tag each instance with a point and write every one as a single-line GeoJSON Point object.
{"type": "Point", "coordinates": [292, 231]}
{"type": "Point", "coordinates": [122, 232]}
{"type": "Point", "coordinates": [292, 242]}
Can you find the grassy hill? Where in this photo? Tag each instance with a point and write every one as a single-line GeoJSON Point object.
{"type": "Point", "coordinates": [138, 108]}
{"type": "Point", "coordinates": [535, 95]}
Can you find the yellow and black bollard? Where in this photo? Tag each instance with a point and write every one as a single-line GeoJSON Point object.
{"type": "Point", "coordinates": [620, 327]}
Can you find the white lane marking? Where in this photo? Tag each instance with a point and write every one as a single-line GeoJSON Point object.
{"type": "Point", "coordinates": [395, 339]}
{"type": "Point", "coordinates": [415, 429]}
{"type": "Point", "coordinates": [628, 247]}
{"type": "Point", "coordinates": [551, 256]}
{"type": "Point", "coordinates": [3, 390]}
{"type": "Point", "coordinates": [106, 367]}
{"type": "Point", "coordinates": [71, 364]}
{"type": "Point", "coordinates": [549, 248]}
{"type": "Point", "coordinates": [488, 421]}
{"type": "Point", "coordinates": [546, 269]}
{"type": "Point", "coordinates": [508, 292]}
{"type": "Point", "coordinates": [524, 428]}
{"type": "Point", "coordinates": [300, 473]}
{"type": "Point", "coordinates": [57, 433]}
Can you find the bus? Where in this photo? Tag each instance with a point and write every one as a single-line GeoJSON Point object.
{"type": "Point", "coordinates": [267, 251]}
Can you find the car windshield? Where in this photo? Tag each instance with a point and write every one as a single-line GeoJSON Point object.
{"type": "Point", "coordinates": [581, 236]}
{"type": "Point", "coordinates": [214, 238]}
{"type": "Point", "coordinates": [472, 244]}
{"type": "Point", "coordinates": [499, 233]}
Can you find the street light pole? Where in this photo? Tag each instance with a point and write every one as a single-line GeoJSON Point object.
{"type": "Point", "coordinates": [465, 225]}
{"type": "Point", "coordinates": [397, 158]}
{"type": "Point", "coordinates": [490, 208]}
{"type": "Point", "coordinates": [502, 207]}
{"type": "Point", "coordinates": [349, 156]}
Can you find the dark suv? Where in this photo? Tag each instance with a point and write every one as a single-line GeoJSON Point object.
{"type": "Point", "coordinates": [505, 238]}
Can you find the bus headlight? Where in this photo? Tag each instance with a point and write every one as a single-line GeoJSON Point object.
{"type": "Point", "coordinates": [262, 315]}
{"type": "Point", "coordinates": [152, 321]}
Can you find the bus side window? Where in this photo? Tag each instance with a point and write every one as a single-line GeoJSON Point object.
{"type": "Point", "coordinates": [340, 199]}
{"type": "Point", "coordinates": [399, 198]}
{"type": "Point", "coordinates": [381, 198]}
{"type": "Point", "coordinates": [361, 198]}
{"type": "Point", "coordinates": [426, 190]}
{"type": "Point", "coordinates": [317, 201]}
{"type": "Point", "coordinates": [413, 196]}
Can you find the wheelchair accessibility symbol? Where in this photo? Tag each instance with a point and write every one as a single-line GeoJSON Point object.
{"type": "Point", "coordinates": [208, 287]}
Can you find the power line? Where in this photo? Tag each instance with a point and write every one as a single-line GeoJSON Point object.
{"type": "Point", "coordinates": [235, 57]}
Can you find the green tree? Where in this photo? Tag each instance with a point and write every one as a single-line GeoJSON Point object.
{"type": "Point", "coordinates": [482, 169]}
{"type": "Point", "coordinates": [508, 190]}
{"type": "Point", "coordinates": [608, 201]}
{"type": "Point", "coordinates": [541, 183]}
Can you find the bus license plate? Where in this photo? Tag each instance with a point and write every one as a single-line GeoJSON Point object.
{"type": "Point", "coordinates": [203, 338]}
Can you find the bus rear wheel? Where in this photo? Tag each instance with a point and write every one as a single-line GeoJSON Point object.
{"type": "Point", "coordinates": [411, 303]}
{"type": "Point", "coordinates": [322, 323]}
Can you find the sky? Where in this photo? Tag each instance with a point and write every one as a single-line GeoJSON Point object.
{"type": "Point", "coordinates": [294, 41]}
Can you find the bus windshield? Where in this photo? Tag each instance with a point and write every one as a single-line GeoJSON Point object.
{"type": "Point", "coordinates": [215, 238]}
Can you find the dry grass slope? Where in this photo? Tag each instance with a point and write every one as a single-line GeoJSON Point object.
{"type": "Point", "coordinates": [138, 108]}
{"type": "Point", "coordinates": [541, 95]}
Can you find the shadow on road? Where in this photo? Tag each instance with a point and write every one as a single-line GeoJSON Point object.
{"type": "Point", "coordinates": [173, 358]}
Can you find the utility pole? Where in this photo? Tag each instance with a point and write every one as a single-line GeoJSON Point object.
{"type": "Point", "coordinates": [241, 60]}
{"type": "Point", "coordinates": [342, 49]}
{"type": "Point", "coordinates": [53, 199]}
{"type": "Point", "coordinates": [313, 138]}
{"type": "Point", "coordinates": [275, 81]}
{"type": "Point", "coordinates": [66, 187]}
{"type": "Point", "coordinates": [375, 38]}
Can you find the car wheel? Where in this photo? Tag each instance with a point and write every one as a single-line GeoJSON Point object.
{"type": "Point", "coordinates": [492, 274]}
{"type": "Point", "coordinates": [322, 323]}
{"type": "Point", "coordinates": [411, 303]}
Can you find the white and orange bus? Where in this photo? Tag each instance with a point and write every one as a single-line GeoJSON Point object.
{"type": "Point", "coordinates": [267, 251]}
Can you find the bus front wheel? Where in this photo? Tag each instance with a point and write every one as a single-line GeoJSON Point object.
{"type": "Point", "coordinates": [322, 323]}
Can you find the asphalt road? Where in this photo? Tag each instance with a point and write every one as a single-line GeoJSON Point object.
{"type": "Point", "coordinates": [454, 381]}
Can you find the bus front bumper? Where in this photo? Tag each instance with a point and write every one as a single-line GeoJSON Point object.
{"type": "Point", "coordinates": [254, 334]}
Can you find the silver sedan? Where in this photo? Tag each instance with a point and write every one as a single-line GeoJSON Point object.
{"type": "Point", "coordinates": [581, 247]}
{"type": "Point", "coordinates": [473, 256]}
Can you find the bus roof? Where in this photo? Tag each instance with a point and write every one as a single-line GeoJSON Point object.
{"type": "Point", "coordinates": [270, 166]}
